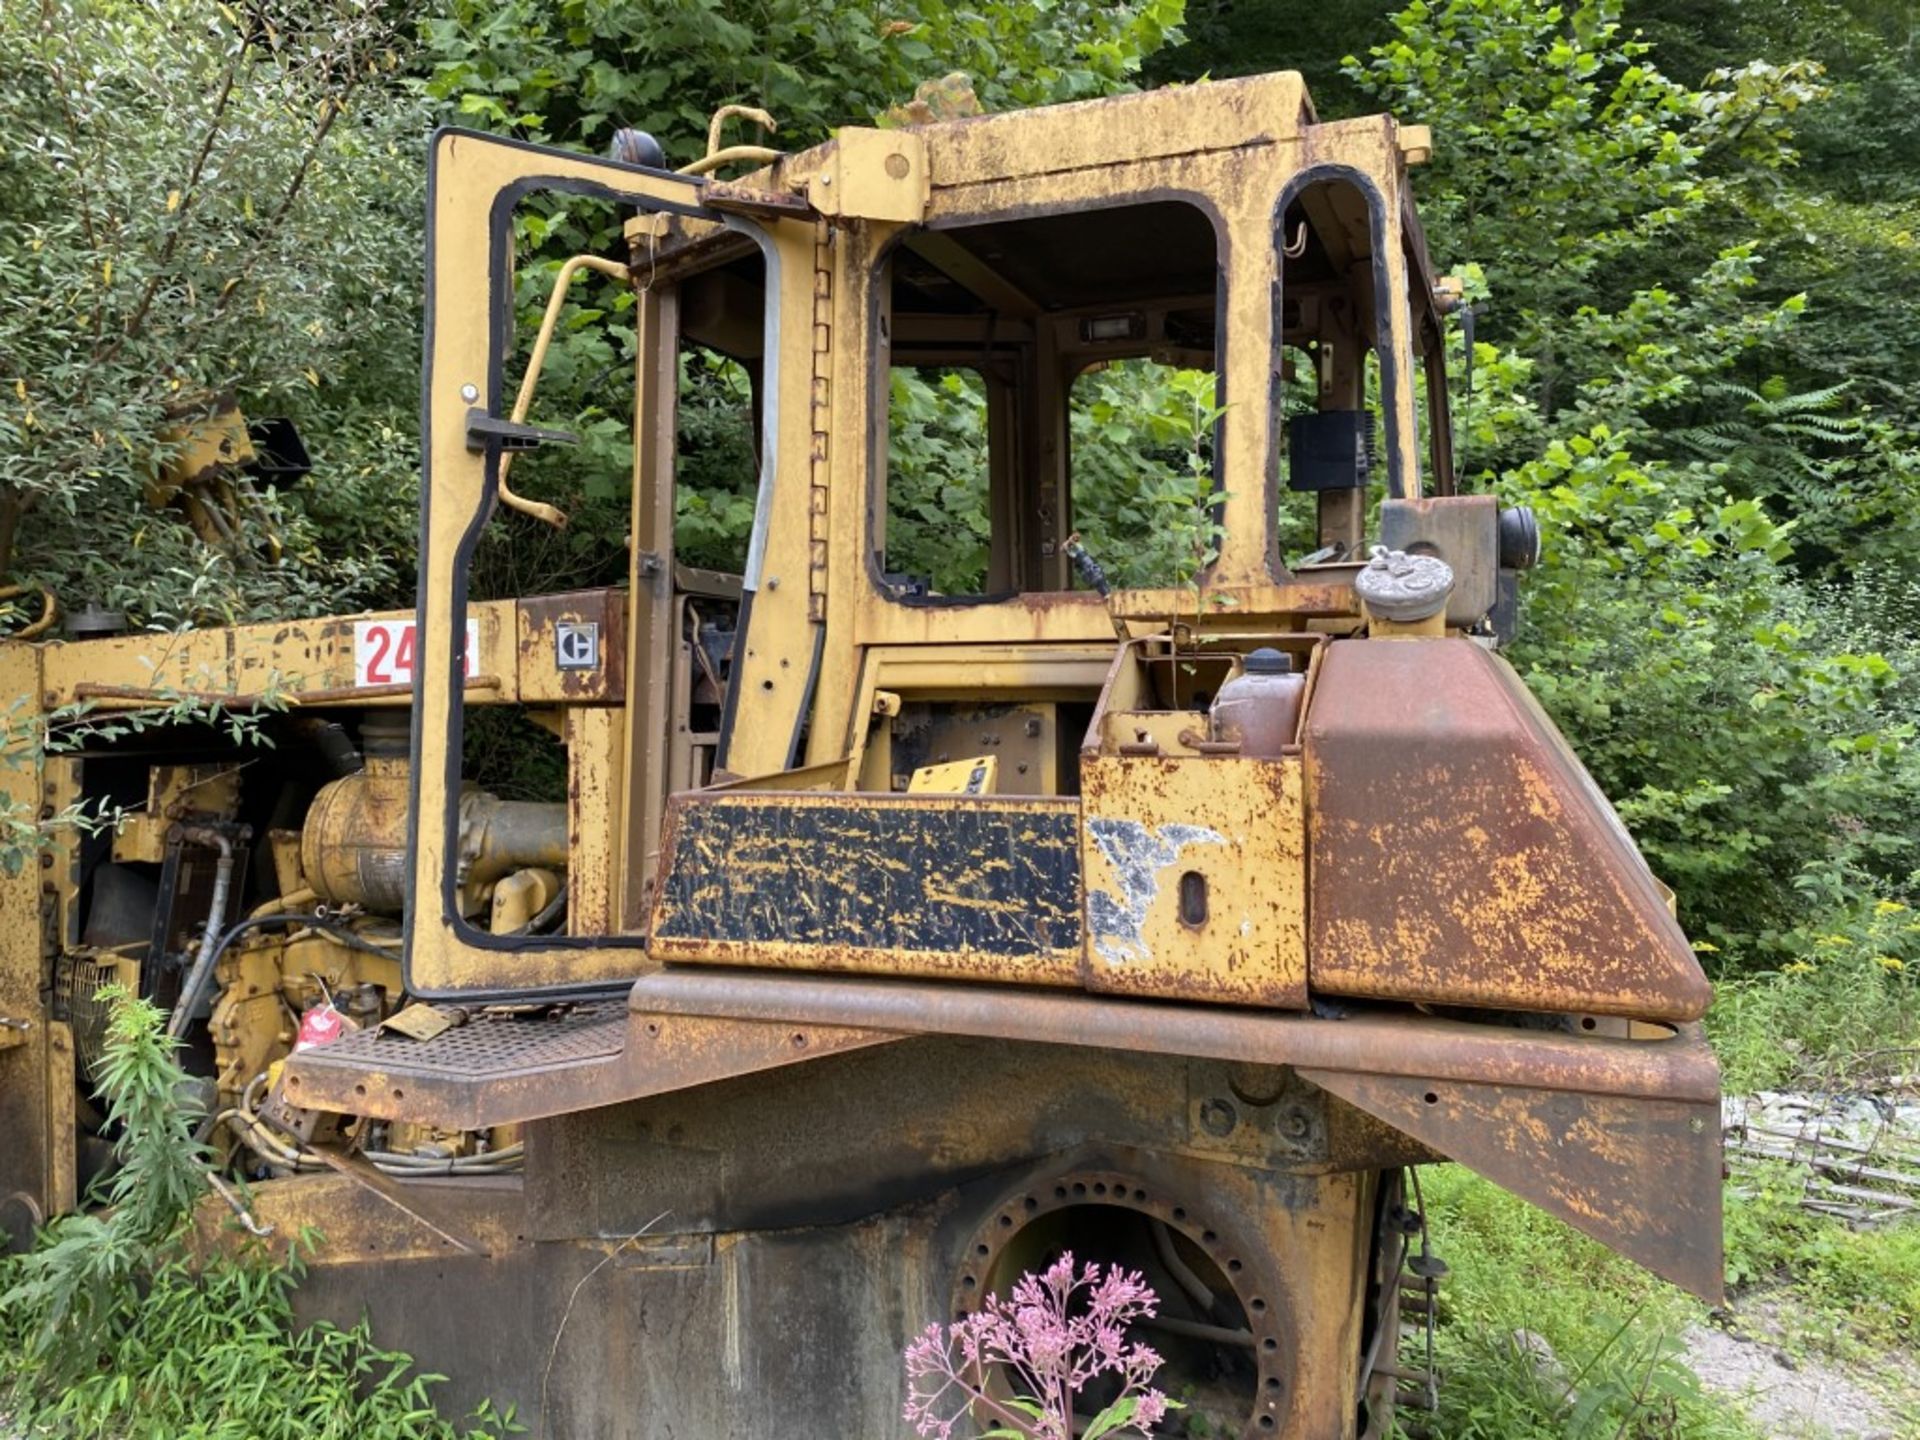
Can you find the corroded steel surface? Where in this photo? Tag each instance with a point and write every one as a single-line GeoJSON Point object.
{"type": "Point", "coordinates": [1639, 1174]}
{"type": "Point", "coordinates": [976, 887]}
{"type": "Point", "coordinates": [721, 1224]}
{"type": "Point", "coordinates": [1391, 1042]}
{"type": "Point", "coordinates": [595, 626]}
{"type": "Point", "coordinates": [1461, 855]}
{"type": "Point", "coordinates": [359, 1224]}
{"type": "Point", "coordinates": [1196, 878]}
{"type": "Point", "coordinates": [1259, 111]}
{"type": "Point", "coordinates": [36, 1070]}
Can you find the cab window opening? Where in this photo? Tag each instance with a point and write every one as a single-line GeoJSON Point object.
{"type": "Point", "coordinates": [1331, 403]}
{"type": "Point", "coordinates": [717, 429]}
{"type": "Point", "coordinates": [939, 449]}
{"type": "Point", "coordinates": [1048, 374]}
{"type": "Point", "coordinates": [1142, 432]}
{"type": "Point", "coordinates": [599, 514]}
{"type": "Point", "coordinates": [583, 385]}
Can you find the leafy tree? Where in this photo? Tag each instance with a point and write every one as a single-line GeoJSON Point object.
{"type": "Point", "coordinates": [1691, 478]}
{"type": "Point", "coordinates": [198, 202]}
{"type": "Point", "coordinates": [573, 72]}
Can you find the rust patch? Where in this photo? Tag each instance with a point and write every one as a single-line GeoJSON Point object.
{"type": "Point", "coordinates": [1195, 876]}
{"type": "Point", "coordinates": [537, 637]}
{"type": "Point", "coordinates": [1460, 854]}
{"type": "Point", "coordinates": [1140, 854]}
{"type": "Point", "coordinates": [1639, 1174]}
{"type": "Point", "coordinates": [983, 888]}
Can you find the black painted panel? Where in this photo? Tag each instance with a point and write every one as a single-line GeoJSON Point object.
{"type": "Point", "coordinates": [995, 877]}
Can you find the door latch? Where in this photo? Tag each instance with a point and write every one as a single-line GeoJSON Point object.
{"type": "Point", "coordinates": [510, 435]}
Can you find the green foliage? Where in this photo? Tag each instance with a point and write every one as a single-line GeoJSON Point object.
{"type": "Point", "coordinates": [170, 184]}
{"type": "Point", "coordinates": [111, 1327]}
{"type": "Point", "coordinates": [574, 72]}
{"type": "Point", "coordinates": [1557, 147]}
{"type": "Point", "coordinates": [1858, 1289]}
{"type": "Point", "coordinates": [716, 467]}
{"type": "Point", "coordinates": [68, 1295]}
{"type": "Point", "coordinates": [1142, 457]}
{"type": "Point", "coordinates": [1141, 448]}
{"type": "Point", "coordinates": [937, 526]}
{"type": "Point", "coordinates": [1615, 1337]}
{"type": "Point", "coordinates": [1760, 759]}
{"type": "Point", "coordinates": [1844, 1012]}
{"type": "Point", "coordinates": [1616, 1368]}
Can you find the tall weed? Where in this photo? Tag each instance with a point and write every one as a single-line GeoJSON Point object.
{"type": "Point", "coordinates": [110, 1327]}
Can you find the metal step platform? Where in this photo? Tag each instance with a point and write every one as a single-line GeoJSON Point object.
{"type": "Point", "coordinates": [501, 1067]}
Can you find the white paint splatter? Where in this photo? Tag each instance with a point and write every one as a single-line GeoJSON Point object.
{"type": "Point", "coordinates": [1137, 853]}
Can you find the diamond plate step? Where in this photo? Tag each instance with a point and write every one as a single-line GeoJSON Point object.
{"type": "Point", "coordinates": [501, 1069]}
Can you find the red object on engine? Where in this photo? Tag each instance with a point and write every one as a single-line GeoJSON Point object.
{"type": "Point", "coordinates": [322, 1025]}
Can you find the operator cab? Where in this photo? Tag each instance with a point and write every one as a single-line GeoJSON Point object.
{"type": "Point", "coordinates": [1058, 375]}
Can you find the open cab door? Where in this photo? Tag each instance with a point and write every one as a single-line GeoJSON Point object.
{"type": "Point", "coordinates": [479, 377]}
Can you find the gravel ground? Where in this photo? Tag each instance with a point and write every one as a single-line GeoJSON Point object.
{"type": "Point", "coordinates": [1797, 1396]}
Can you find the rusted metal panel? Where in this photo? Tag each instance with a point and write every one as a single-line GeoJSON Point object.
{"type": "Point", "coordinates": [33, 1179]}
{"type": "Point", "coordinates": [596, 751]}
{"type": "Point", "coordinates": [572, 649]}
{"type": "Point", "coordinates": [501, 1069]}
{"type": "Point", "coordinates": [1640, 1174]}
{"type": "Point", "coordinates": [953, 1134]}
{"type": "Point", "coordinates": [705, 1326]}
{"type": "Point", "coordinates": [1678, 1065]}
{"type": "Point", "coordinates": [1460, 854]}
{"type": "Point", "coordinates": [1464, 531]}
{"type": "Point", "coordinates": [872, 175]}
{"type": "Point", "coordinates": [1196, 878]}
{"type": "Point", "coordinates": [362, 1225]}
{"type": "Point", "coordinates": [980, 888]}
{"type": "Point", "coordinates": [739, 1215]}
{"type": "Point", "coordinates": [1292, 1255]}
{"type": "Point", "coordinates": [63, 1074]}
{"type": "Point", "coordinates": [297, 661]}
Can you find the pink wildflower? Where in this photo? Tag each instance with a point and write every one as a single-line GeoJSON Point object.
{"type": "Point", "coordinates": [1046, 1354]}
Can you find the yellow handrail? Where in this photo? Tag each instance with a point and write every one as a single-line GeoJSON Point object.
{"type": "Point", "coordinates": [613, 269]}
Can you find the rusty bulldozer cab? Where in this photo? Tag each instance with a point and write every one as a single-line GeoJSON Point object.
{"type": "Point", "coordinates": [917, 929]}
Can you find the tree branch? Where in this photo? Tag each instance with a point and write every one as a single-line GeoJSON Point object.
{"type": "Point", "coordinates": [188, 193]}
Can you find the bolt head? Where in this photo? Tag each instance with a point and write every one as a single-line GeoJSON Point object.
{"type": "Point", "coordinates": [1217, 1118]}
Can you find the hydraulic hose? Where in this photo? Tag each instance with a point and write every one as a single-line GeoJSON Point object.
{"type": "Point", "coordinates": [283, 1151]}
{"type": "Point", "coordinates": [211, 943]}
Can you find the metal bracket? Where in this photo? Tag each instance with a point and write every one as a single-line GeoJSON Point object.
{"type": "Point", "coordinates": [484, 430]}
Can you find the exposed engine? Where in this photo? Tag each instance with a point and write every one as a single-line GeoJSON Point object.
{"type": "Point", "coordinates": [257, 951]}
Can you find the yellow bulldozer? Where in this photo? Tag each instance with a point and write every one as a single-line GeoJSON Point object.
{"type": "Point", "coordinates": [882, 939]}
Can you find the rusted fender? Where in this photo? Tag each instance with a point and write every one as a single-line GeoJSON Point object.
{"type": "Point", "coordinates": [1618, 1137]}
{"type": "Point", "coordinates": [1639, 1174]}
{"type": "Point", "coordinates": [1461, 855]}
